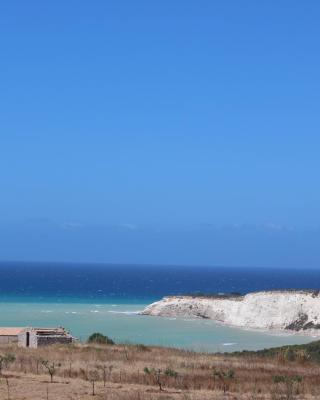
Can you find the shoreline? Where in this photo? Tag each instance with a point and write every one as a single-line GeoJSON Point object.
{"type": "Point", "coordinates": [273, 332]}
{"type": "Point", "coordinates": [125, 325]}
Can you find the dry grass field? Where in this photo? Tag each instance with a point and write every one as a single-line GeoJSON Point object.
{"type": "Point", "coordinates": [123, 372]}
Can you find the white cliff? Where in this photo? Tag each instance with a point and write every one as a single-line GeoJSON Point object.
{"type": "Point", "coordinates": [279, 310]}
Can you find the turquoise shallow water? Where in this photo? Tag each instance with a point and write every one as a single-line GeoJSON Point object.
{"type": "Point", "coordinates": [120, 321]}
{"type": "Point", "coordinates": [86, 298]}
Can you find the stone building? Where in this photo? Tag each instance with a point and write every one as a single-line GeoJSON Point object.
{"type": "Point", "coordinates": [9, 335]}
{"type": "Point", "coordinates": [35, 337]}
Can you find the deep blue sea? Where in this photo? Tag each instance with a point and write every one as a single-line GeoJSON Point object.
{"type": "Point", "coordinates": [92, 282]}
{"type": "Point", "coordinates": [106, 298]}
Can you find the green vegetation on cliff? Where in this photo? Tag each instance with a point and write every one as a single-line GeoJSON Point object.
{"type": "Point", "coordinates": [300, 352]}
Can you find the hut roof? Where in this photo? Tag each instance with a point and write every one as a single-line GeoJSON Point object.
{"type": "Point", "coordinates": [10, 331]}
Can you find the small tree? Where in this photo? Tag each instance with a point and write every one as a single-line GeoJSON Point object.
{"type": "Point", "coordinates": [51, 367]}
{"type": "Point", "coordinates": [156, 374]}
{"type": "Point", "coordinates": [104, 368]}
{"type": "Point", "coordinates": [110, 371]}
{"type": "Point", "coordinates": [38, 362]}
{"type": "Point", "coordinates": [5, 360]}
{"type": "Point", "coordinates": [70, 359]}
{"type": "Point", "coordinates": [225, 377]}
{"type": "Point", "coordinates": [93, 377]}
{"type": "Point", "coordinates": [99, 338]}
{"type": "Point", "coordinates": [126, 354]}
{"type": "Point", "coordinates": [8, 387]}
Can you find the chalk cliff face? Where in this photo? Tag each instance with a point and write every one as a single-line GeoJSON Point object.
{"type": "Point", "coordinates": [280, 310]}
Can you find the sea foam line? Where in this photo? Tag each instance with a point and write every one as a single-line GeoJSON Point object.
{"type": "Point", "coordinates": [229, 344]}
{"type": "Point", "coordinates": [124, 312]}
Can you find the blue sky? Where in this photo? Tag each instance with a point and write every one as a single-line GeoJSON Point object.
{"type": "Point", "coordinates": [160, 132]}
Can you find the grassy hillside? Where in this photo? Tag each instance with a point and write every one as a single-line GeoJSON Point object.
{"type": "Point", "coordinates": [129, 372]}
{"type": "Point", "coordinates": [301, 352]}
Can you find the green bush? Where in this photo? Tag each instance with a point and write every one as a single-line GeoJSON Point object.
{"type": "Point", "coordinates": [99, 338]}
{"type": "Point", "coordinates": [287, 379]}
{"type": "Point", "coordinates": [171, 372]}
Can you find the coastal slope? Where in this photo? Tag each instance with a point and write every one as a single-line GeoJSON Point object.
{"type": "Point", "coordinates": [291, 310]}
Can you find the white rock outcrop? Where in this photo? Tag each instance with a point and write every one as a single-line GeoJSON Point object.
{"type": "Point", "coordinates": [290, 310]}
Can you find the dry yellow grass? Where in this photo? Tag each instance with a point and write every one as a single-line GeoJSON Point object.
{"type": "Point", "coordinates": [118, 374]}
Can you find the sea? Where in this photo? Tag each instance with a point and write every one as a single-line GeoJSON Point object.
{"type": "Point", "coordinates": [87, 298]}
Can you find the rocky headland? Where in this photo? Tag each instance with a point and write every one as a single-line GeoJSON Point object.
{"type": "Point", "coordinates": [285, 310]}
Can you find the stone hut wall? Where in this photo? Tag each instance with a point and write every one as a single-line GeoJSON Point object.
{"type": "Point", "coordinates": [47, 340]}
{"type": "Point", "coordinates": [6, 339]}
{"type": "Point", "coordinates": [41, 340]}
{"type": "Point", "coordinates": [22, 339]}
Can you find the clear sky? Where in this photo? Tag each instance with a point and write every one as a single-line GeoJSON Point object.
{"type": "Point", "coordinates": [176, 131]}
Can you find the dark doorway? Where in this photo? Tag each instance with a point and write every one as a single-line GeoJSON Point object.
{"type": "Point", "coordinates": [27, 339]}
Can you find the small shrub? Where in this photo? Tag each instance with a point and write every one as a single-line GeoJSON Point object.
{"type": "Point", "coordinates": [290, 383]}
{"type": "Point", "coordinates": [99, 338]}
{"type": "Point", "coordinates": [171, 372]}
{"type": "Point", "coordinates": [284, 378]}
{"type": "Point", "coordinates": [142, 347]}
